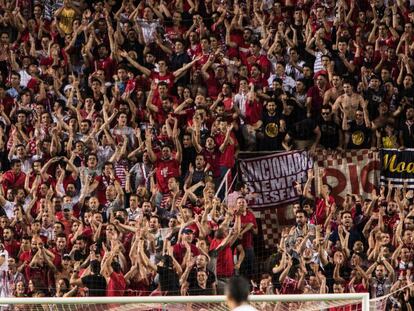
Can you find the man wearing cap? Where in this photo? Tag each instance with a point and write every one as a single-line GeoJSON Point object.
{"type": "Point", "coordinates": [185, 245]}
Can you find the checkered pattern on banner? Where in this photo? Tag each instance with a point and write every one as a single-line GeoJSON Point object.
{"type": "Point", "coordinates": [273, 221]}
{"type": "Point", "coordinates": [324, 158]}
{"type": "Point", "coordinates": [270, 225]}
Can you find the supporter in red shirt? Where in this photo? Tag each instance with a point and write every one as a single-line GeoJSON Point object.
{"type": "Point", "coordinates": [112, 271]}
{"type": "Point", "coordinates": [162, 74]}
{"type": "Point", "coordinates": [166, 165]}
{"type": "Point", "coordinates": [14, 178]}
{"type": "Point", "coordinates": [185, 247]}
{"type": "Point", "coordinates": [315, 95]}
{"type": "Point", "coordinates": [227, 144]}
{"type": "Point", "coordinates": [74, 106]}
{"type": "Point", "coordinates": [248, 228]}
{"type": "Point", "coordinates": [222, 246]}
{"type": "Point", "coordinates": [256, 57]}
{"type": "Point", "coordinates": [10, 243]}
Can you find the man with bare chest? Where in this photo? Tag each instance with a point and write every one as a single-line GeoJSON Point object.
{"type": "Point", "coordinates": [334, 92]}
{"type": "Point", "coordinates": [349, 102]}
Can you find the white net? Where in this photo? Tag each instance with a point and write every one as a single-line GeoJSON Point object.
{"type": "Point", "coordinates": [216, 303]}
{"type": "Point", "coordinates": [396, 300]}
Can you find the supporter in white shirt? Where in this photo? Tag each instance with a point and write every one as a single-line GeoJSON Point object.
{"type": "Point", "coordinates": [237, 294]}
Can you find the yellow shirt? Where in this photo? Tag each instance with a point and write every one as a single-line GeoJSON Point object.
{"type": "Point", "coordinates": [389, 142]}
{"type": "Point", "coordinates": [67, 15]}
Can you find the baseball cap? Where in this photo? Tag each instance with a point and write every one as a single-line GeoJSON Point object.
{"type": "Point", "coordinates": [187, 231]}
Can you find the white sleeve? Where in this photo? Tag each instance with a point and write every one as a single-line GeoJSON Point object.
{"type": "Point", "coordinates": [8, 208]}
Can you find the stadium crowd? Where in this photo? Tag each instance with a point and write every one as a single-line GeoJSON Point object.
{"type": "Point", "coordinates": [119, 120]}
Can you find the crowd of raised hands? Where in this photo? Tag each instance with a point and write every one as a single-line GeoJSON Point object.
{"type": "Point", "coordinates": [120, 119]}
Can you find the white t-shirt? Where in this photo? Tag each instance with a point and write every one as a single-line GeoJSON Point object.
{"type": "Point", "coordinates": [244, 308]}
{"type": "Point", "coordinates": [5, 266]}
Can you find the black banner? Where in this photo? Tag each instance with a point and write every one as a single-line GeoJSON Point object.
{"type": "Point", "coordinates": [397, 166]}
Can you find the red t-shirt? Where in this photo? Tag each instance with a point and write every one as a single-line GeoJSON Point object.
{"type": "Point", "coordinates": [247, 240]}
{"type": "Point", "coordinates": [173, 33]}
{"type": "Point", "coordinates": [107, 65]}
{"type": "Point", "coordinates": [13, 181]}
{"type": "Point", "coordinates": [116, 285]}
{"type": "Point", "coordinates": [253, 112]}
{"type": "Point", "coordinates": [12, 248]}
{"type": "Point", "coordinates": [180, 250]}
{"type": "Point", "coordinates": [39, 276]}
{"type": "Point", "coordinates": [213, 158]}
{"type": "Point", "coordinates": [259, 82]}
{"type": "Point", "coordinates": [225, 265]}
{"type": "Point", "coordinates": [227, 158]}
{"type": "Point", "coordinates": [262, 61]}
{"type": "Point", "coordinates": [321, 210]}
{"type": "Point", "coordinates": [213, 87]}
{"type": "Point", "coordinates": [167, 78]}
{"type": "Point", "coordinates": [26, 257]}
{"type": "Point", "coordinates": [165, 169]}
{"type": "Point", "coordinates": [103, 182]}
{"type": "Point", "coordinates": [194, 50]}
{"type": "Point", "coordinates": [317, 99]}
{"type": "Point", "coordinates": [228, 103]}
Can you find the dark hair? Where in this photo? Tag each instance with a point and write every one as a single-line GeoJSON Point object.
{"type": "Point", "coordinates": [301, 211]}
{"type": "Point", "coordinates": [327, 107]}
{"type": "Point", "coordinates": [116, 266]}
{"type": "Point", "coordinates": [82, 238]}
{"type": "Point", "coordinates": [95, 267]}
{"type": "Point", "coordinates": [63, 228]}
{"type": "Point", "coordinates": [239, 186]}
{"type": "Point", "coordinates": [15, 73]}
{"type": "Point", "coordinates": [96, 80]}
{"type": "Point", "coordinates": [343, 40]}
{"type": "Point", "coordinates": [15, 161]}
{"type": "Point", "coordinates": [345, 212]}
{"type": "Point", "coordinates": [61, 235]}
{"type": "Point", "coordinates": [238, 289]}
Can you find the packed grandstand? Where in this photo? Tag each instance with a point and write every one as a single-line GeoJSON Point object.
{"type": "Point", "coordinates": [162, 147]}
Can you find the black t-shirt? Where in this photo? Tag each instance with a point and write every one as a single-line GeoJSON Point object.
{"type": "Point", "coordinates": [354, 236]}
{"type": "Point", "coordinates": [96, 284]}
{"type": "Point", "coordinates": [360, 136]}
{"type": "Point", "coordinates": [192, 278]}
{"type": "Point", "coordinates": [407, 93]}
{"type": "Point", "coordinates": [198, 291]}
{"type": "Point", "coordinates": [136, 47]}
{"type": "Point", "coordinates": [272, 137]}
{"type": "Point", "coordinates": [330, 132]}
{"type": "Point", "coordinates": [407, 134]}
{"type": "Point", "coordinates": [169, 281]}
{"type": "Point", "coordinates": [340, 67]}
{"type": "Point", "coordinates": [189, 155]}
{"type": "Point", "coordinates": [303, 130]}
{"type": "Point", "coordinates": [328, 269]}
{"type": "Point", "coordinates": [374, 99]}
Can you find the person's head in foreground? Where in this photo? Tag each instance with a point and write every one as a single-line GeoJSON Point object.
{"type": "Point", "coordinates": [237, 292]}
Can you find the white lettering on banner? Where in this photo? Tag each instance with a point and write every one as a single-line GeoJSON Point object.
{"type": "Point", "coordinates": [272, 177]}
